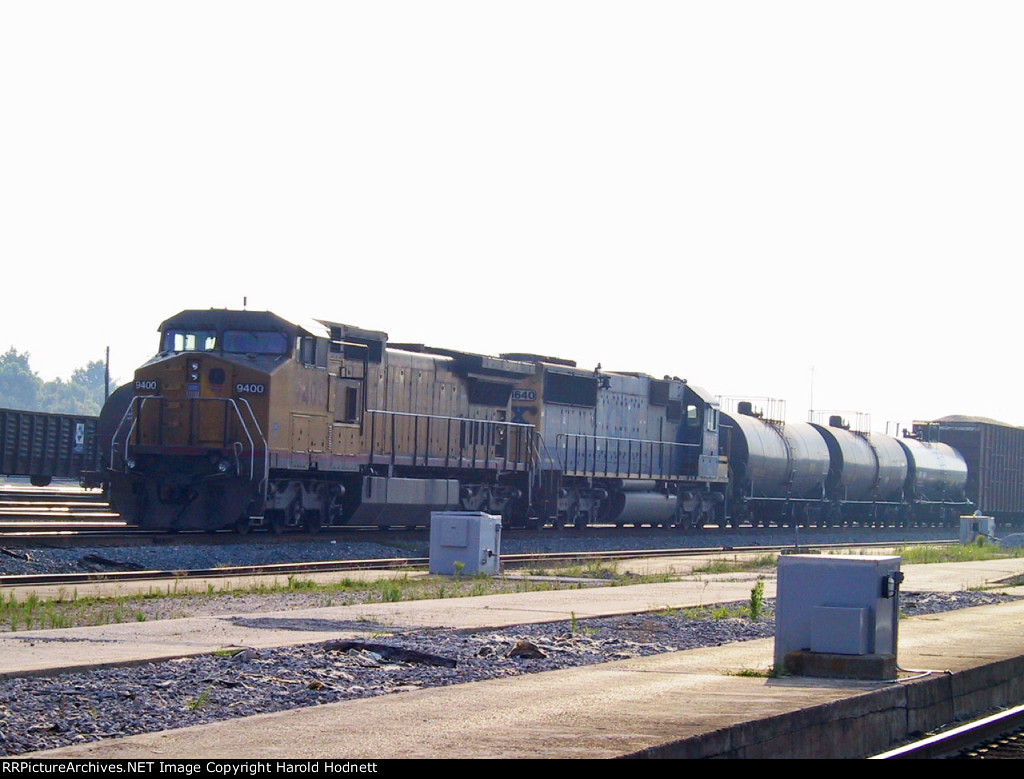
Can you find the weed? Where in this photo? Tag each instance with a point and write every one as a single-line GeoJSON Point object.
{"type": "Point", "coordinates": [757, 600]}
{"type": "Point", "coordinates": [981, 549]}
{"type": "Point", "coordinates": [390, 591]}
{"type": "Point", "coordinates": [754, 673]}
{"type": "Point", "coordinates": [201, 701]}
{"type": "Point", "coordinates": [297, 585]}
{"type": "Point", "coordinates": [737, 564]}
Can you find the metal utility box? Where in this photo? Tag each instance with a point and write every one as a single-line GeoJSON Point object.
{"type": "Point", "coordinates": [973, 526]}
{"type": "Point", "coordinates": [832, 604]}
{"type": "Point", "coordinates": [471, 538]}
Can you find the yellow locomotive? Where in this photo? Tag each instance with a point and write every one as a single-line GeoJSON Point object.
{"type": "Point", "coordinates": [244, 418]}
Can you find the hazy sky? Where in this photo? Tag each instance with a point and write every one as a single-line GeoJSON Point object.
{"type": "Point", "coordinates": [731, 192]}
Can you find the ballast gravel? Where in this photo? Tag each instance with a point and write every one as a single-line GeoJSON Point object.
{"type": "Point", "coordinates": [261, 549]}
{"type": "Point", "coordinates": [43, 713]}
{"type": "Point", "coordinates": [39, 713]}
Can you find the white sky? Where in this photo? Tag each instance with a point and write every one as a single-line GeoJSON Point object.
{"type": "Point", "coordinates": [731, 192]}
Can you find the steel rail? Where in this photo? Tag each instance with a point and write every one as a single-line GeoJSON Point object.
{"type": "Point", "coordinates": [396, 563]}
{"type": "Point", "coordinates": [956, 740]}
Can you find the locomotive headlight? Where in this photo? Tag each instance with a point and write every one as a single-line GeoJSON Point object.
{"type": "Point", "coordinates": [223, 466]}
{"type": "Point", "coordinates": [193, 370]}
{"type": "Point", "coordinates": [130, 464]}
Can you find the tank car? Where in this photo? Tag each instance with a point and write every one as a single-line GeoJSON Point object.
{"type": "Point", "coordinates": [829, 474]}
{"type": "Point", "coordinates": [247, 418]}
{"type": "Point", "coordinates": [867, 473]}
{"type": "Point", "coordinates": [778, 470]}
{"type": "Point", "coordinates": [936, 481]}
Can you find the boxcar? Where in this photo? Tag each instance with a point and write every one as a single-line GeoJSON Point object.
{"type": "Point", "coordinates": [994, 452]}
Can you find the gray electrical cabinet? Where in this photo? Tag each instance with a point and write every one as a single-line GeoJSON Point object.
{"type": "Point", "coordinates": [973, 526]}
{"type": "Point", "coordinates": [837, 605]}
{"type": "Point", "coordinates": [470, 538]}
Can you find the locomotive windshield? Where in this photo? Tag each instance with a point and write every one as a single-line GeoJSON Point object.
{"type": "Point", "coordinates": [189, 341]}
{"type": "Point", "coordinates": [255, 342]}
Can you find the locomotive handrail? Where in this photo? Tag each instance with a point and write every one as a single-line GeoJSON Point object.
{"type": "Point", "coordinates": [141, 401]}
{"type": "Point", "coordinates": [482, 433]}
{"type": "Point", "coordinates": [562, 446]}
{"type": "Point", "coordinates": [127, 413]}
{"type": "Point", "coordinates": [252, 449]}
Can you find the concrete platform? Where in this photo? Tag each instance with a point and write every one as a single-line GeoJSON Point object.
{"type": "Point", "coordinates": [681, 704]}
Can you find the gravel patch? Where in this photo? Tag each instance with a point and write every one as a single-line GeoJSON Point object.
{"type": "Point", "coordinates": [46, 712]}
{"type": "Point", "coordinates": [261, 550]}
{"type": "Point", "coordinates": [43, 713]}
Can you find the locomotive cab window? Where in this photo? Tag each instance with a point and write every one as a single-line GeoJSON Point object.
{"type": "Point", "coordinates": [189, 341]}
{"type": "Point", "coordinates": [255, 342]}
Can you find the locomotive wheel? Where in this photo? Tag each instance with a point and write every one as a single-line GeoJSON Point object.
{"type": "Point", "coordinates": [311, 522]}
{"type": "Point", "coordinates": [242, 525]}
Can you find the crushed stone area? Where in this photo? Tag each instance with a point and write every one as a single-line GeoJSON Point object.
{"type": "Point", "coordinates": [259, 549]}
{"type": "Point", "coordinates": [46, 712]}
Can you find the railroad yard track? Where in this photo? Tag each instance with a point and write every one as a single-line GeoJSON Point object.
{"type": "Point", "coordinates": [671, 543]}
{"type": "Point", "coordinates": [509, 561]}
{"type": "Point", "coordinates": [29, 513]}
{"type": "Point", "coordinates": [997, 736]}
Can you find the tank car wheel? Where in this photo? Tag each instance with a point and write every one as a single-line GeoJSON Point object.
{"type": "Point", "coordinates": [275, 521]}
{"type": "Point", "coordinates": [243, 525]}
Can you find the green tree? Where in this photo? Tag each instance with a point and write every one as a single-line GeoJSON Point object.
{"type": "Point", "coordinates": [61, 397]}
{"type": "Point", "coordinates": [19, 384]}
{"type": "Point", "coordinates": [93, 377]}
{"type": "Point", "coordinates": [22, 389]}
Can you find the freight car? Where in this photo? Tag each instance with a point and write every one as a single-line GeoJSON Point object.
{"type": "Point", "coordinates": [827, 473]}
{"type": "Point", "coordinates": [994, 452]}
{"type": "Point", "coordinates": [45, 446]}
{"type": "Point", "coordinates": [246, 418]}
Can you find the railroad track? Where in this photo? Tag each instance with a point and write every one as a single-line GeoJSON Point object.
{"type": "Point", "coordinates": [509, 561]}
{"type": "Point", "coordinates": [999, 735]}
{"type": "Point", "coordinates": [73, 516]}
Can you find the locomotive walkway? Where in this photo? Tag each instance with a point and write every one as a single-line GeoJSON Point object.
{"type": "Point", "coordinates": [682, 704]}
